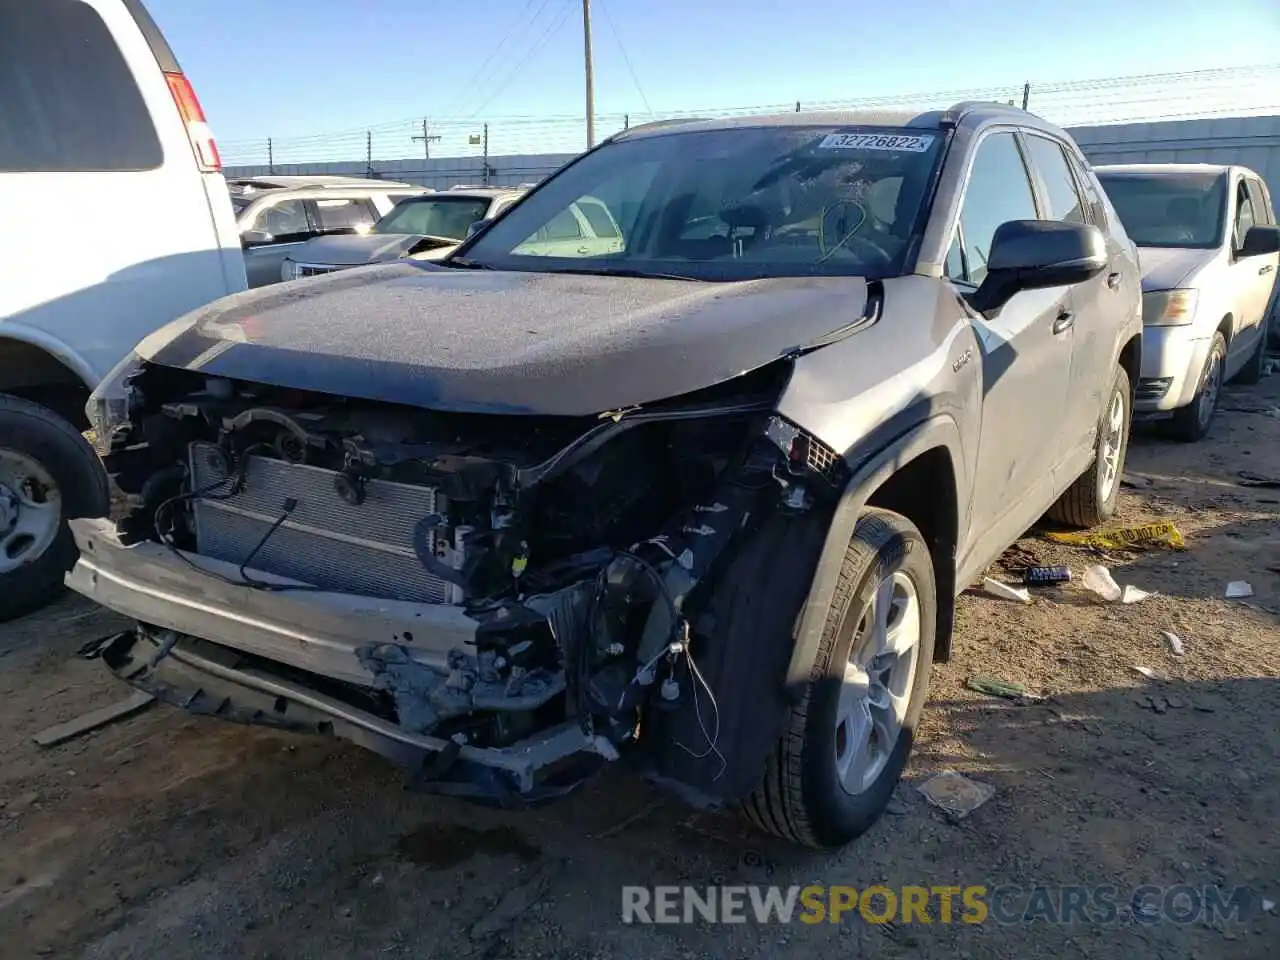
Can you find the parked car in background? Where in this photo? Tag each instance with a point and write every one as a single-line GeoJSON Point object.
{"type": "Point", "coordinates": [1208, 242]}
{"type": "Point", "coordinates": [116, 221]}
{"type": "Point", "coordinates": [700, 495]}
{"type": "Point", "coordinates": [426, 227]}
{"type": "Point", "coordinates": [278, 214]}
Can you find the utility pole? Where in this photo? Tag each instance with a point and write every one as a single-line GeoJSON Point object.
{"type": "Point", "coordinates": [368, 154]}
{"type": "Point", "coordinates": [591, 92]}
{"type": "Point", "coordinates": [486, 154]}
{"type": "Point", "coordinates": [1026, 94]}
{"type": "Point", "coordinates": [271, 157]}
{"type": "Point", "coordinates": [426, 137]}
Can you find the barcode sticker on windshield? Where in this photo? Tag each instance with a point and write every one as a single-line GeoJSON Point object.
{"type": "Point", "coordinates": [877, 141]}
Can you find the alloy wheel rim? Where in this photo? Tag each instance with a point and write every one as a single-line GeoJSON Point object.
{"type": "Point", "coordinates": [1112, 442]}
{"type": "Point", "coordinates": [1209, 392]}
{"type": "Point", "coordinates": [877, 683]}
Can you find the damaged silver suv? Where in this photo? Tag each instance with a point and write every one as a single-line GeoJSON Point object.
{"type": "Point", "coordinates": [698, 499]}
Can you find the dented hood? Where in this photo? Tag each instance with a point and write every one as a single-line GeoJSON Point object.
{"type": "Point", "coordinates": [499, 342]}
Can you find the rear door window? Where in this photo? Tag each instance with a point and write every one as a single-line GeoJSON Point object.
{"type": "Point", "coordinates": [1055, 174]}
{"type": "Point", "coordinates": [1261, 207]}
{"type": "Point", "coordinates": [345, 214]}
{"type": "Point", "coordinates": [68, 100]}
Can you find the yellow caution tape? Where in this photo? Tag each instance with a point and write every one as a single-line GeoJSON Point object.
{"type": "Point", "coordinates": [1164, 532]}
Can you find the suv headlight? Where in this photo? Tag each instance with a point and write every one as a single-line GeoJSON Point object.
{"type": "Point", "coordinates": [1168, 308]}
{"type": "Point", "coordinates": [111, 404]}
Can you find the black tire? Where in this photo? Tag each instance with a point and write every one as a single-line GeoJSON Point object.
{"type": "Point", "coordinates": [1193, 422]}
{"type": "Point", "coordinates": [1088, 502]}
{"type": "Point", "coordinates": [43, 436]}
{"type": "Point", "coordinates": [801, 798]}
{"type": "Point", "coordinates": [1253, 371]}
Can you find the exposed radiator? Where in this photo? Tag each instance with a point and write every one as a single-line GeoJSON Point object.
{"type": "Point", "coordinates": [365, 549]}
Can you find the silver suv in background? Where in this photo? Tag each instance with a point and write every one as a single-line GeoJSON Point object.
{"type": "Point", "coordinates": [1208, 243]}
{"type": "Point", "coordinates": [277, 214]}
{"type": "Point", "coordinates": [426, 227]}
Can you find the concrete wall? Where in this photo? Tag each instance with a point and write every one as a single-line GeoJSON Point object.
{"type": "Point", "coordinates": [1251, 141]}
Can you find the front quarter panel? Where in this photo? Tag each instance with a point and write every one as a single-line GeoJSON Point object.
{"type": "Point", "coordinates": [918, 361]}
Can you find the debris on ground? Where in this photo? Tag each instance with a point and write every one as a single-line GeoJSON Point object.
{"type": "Point", "coordinates": [1005, 591]}
{"type": "Point", "coordinates": [1175, 642]}
{"type": "Point", "coordinates": [1163, 533]}
{"type": "Point", "coordinates": [1148, 673]}
{"type": "Point", "coordinates": [62, 732]}
{"type": "Point", "coordinates": [1239, 588]}
{"type": "Point", "coordinates": [1136, 481]}
{"type": "Point", "coordinates": [1247, 478]}
{"type": "Point", "coordinates": [955, 793]}
{"type": "Point", "coordinates": [999, 688]}
{"type": "Point", "coordinates": [1042, 576]}
{"type": "Point", "coordinates": [515, 902]}
{"type": "Point", "coordinates": [1098, 579]}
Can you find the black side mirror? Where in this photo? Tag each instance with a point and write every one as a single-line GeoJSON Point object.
{"type": "Point", "coordinates": [255, 238]}
{"type": "Point", "coordinates": [1033, 254]}
{"type": "Point", "coordinates": [1259, 240]}
{"type": "Point", "coordinates": [477, 225]}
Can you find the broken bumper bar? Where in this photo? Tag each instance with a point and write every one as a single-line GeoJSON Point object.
{"type": "Point", "coordinates": [311, 630]}
{"type": "Point", "coordinates": [207, 679]}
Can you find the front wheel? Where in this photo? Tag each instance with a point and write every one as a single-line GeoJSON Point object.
{"type": "Point", "coordinates": [1092, 498]}
{"type": "Point", "coordinates": [1192, 422]}
{"type": "Point", "coordinates": [48, 474]}
{"type": "Point", "coordinates": [847, 741]}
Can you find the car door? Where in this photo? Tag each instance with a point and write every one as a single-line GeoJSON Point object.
{"type": "Point", "coordinates": [1251, 279]}
{"type": "Point", "coordinates": [1260, 272]}
{"type": "Point", "coordinates": [1026, 351]}
{"type": "Point", "coordinates": [1099, 307]}
{"type": "Point", "coordinates": [276, 228]}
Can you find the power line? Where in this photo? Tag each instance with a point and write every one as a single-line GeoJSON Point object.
{"type": "Point", "coordinates": [552, 28]}
{"type": "Point", "coordinates": [608, 18]}
{"type": "Point", "coordinates": [519, 20]}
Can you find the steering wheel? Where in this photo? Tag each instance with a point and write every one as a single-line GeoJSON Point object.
{"type": "Point", "coordinates": [865, 250]}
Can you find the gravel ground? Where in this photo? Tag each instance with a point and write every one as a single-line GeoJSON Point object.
{"type": "Point", "coordinates": [175, 837]}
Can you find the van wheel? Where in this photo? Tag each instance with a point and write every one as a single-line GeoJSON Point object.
{"type": "Point", "coordinates": [1192, 422]}
{"type": "Point", "coordinates": [847, 741]}
{"type": "Point", "coordinates": [1253, 370]}
{"type": "Point", "coordinates": [1092, 498]}
{"type": "Point", "coordinates": [48, 474]}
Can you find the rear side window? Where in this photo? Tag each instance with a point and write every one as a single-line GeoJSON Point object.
{"type": "Point", "coordinates": [345, 214]}
{"type": "Point", "coordinates": [68, 101]}
{"type": "Point", "coordinates": [1261, 207]}
{"type": "Point", "coordinates": [1059, 184]}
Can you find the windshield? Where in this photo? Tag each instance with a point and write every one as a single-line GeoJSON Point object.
{"type": "Point", "coordinates": [1169, 209]}
{"type": "Point", "coordinates": [434, 217]}
{"type": "Point", "coordinates": [730, 204]}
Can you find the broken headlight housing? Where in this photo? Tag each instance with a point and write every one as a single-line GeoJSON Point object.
{"type": "Point", "coordinates": [111, 404]}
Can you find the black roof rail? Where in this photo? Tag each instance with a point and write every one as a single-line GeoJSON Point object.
{"type": "Point", "coordinates": [957, 110]}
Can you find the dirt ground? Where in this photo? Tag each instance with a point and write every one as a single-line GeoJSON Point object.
{"type": "Point", "coordinates": [166, 836]}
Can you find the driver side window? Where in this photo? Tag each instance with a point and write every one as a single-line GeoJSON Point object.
{"type": "Point", "coordinates": [998, 191]}
{"type": "Point", "coordinates": [1245, 217]}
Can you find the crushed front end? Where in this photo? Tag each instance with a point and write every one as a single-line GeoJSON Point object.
{"type": "Point", "coordinates": [500, 602]}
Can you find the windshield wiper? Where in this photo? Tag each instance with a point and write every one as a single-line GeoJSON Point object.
{"type": "Point", "coordinates": [625, 272]}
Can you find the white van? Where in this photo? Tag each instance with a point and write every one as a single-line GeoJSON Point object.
{"type": "Point", "coordinates": [116, 221]}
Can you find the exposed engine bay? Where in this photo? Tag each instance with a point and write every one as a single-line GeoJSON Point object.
{"type": "Point", "coordinates": [590, 554]}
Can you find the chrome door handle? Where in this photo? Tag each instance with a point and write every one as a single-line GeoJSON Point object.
{"type": "Point", "coordinates": [1267, 269]}
{"type": "Point", "coordinates": [1113, 281]}
{"type": "Point", "coordinates": [1066, 319]}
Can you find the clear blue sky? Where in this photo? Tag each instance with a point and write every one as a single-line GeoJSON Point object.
{"type": "Point", "coordinates": [287, 67]}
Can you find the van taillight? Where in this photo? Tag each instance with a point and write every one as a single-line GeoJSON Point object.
{"type": "Point", "coordinates": [197, 129]}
